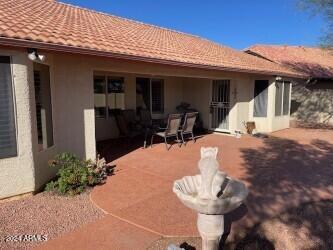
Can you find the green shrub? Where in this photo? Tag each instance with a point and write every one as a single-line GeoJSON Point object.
{"type": "Point", "coordinates": [75, 175]}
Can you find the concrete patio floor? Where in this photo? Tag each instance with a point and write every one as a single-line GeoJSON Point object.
{"type": "Point", "coordinates": [288, 168]}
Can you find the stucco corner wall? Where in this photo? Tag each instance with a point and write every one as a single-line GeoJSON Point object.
{"type": "Point", "coordinates": [17, 173]}
{"type": "Point", "coordinates": [74, 121]}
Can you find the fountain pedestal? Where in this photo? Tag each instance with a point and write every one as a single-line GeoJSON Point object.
{"type": "Point", "coordinates": [211, 229]}
{"type": "Point", "coordinates": [212, 194]}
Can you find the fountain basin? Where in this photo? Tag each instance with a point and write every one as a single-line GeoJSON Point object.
{"type": "Point", "coordinates": [228, 195]}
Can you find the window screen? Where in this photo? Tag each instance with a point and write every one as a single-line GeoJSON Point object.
{"type": "Point", "coordinates": [157, 96]}
{"type": "Point", "coordinates": [286, 101]}
{"type": "Point", "coordinates": [8, 146]}
{"type": "Point", "coordinates": [43, 105]}
{"type": "Point", "coordinates": [260, 98]}
{"type": "Point", "coordinates": [278, 98]}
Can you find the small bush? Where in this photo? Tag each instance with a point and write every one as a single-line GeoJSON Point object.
{"type": "Point", "coordinates": [75, 175]}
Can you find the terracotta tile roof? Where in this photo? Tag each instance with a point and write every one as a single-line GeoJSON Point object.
{"type": "Point", "coordinates": [53, 23]}
{"type": "Point", "coordinates": [316, 62]}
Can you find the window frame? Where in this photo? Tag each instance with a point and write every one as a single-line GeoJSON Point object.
{"type": "Point", "coordinates": [254, 97]}
{"type": "Point", "coordinates": [288, 83]}
{"type": "Point", "coordinates": [149, 82]}
{"type": "Point", "coordinates": [12, 87]}
{"type": "Point", "coordinates": [283, 83]}
{"type": "Point", "coordinates": [151, 95]}
{"type": "Point", "coordinates": [105, 94]}
{"type": "Point", "coordinates": [108, 115]}
{"type": "Point", "coordinates": [52, 97]}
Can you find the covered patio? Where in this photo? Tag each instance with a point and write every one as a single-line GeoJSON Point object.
{"type": "Point", "coordinates": [286, 169]}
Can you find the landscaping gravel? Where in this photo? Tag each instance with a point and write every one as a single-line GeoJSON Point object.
{"type": "Point", "coordinates": [43, 214]}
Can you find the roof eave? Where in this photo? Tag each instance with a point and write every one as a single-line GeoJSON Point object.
{"type": "Point", "coordinates": [86, 51]}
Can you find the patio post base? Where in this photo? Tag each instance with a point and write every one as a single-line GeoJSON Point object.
{"type": "Point", "coordinates": [211, 228]}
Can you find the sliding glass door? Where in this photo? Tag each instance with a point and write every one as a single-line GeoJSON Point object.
{"type": "Point", "coordinates": [150, 94]}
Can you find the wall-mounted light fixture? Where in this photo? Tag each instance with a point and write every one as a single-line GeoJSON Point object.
{"type": "Point", "coordinates": [278, 78]}
{"type": "Point", "coordinates": [33, 55]}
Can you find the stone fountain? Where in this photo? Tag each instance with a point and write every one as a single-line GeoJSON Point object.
{"type": "Point", "coordinates": [212, 194]}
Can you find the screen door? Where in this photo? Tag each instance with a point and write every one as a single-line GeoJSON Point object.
{"type": "Point", "coordinates": [220, 105]}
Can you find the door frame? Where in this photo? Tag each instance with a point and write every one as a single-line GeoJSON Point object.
{"type": "Point", "coordinates": [219, 130]}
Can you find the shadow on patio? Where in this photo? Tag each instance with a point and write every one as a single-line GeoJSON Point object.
{"type": "Point", "coordinates": [289, 175]}
{"type": "Point", "coordinates": [113, 149]}
{"type": "Point", "coordinates": [116, 148]}
{"type": "Point", "coordinates": [288, 184]}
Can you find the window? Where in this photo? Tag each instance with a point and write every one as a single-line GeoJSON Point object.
{"type": "Point", "coordinates": [109, 95]}
{"type": "Point", "coordinates": [116, 96]}
{"type": "Point", "coordinates": [157, 96]}
{"type": "Point", "coordinates": [278, 98]}
{"type": "Point", "coordinates": [43, 106]}
{"type": "Point", "coordinates": [99, 96]}
{"type": "Point", "coordinates": [260, 98]}
{"type": "Point", "coordinates": [150, 94]}
{"type": "Point", "coordinates": [8, 146]}
{"type": "Point", "coordinates": [286, 97]}
{"type": "Point", "coordinates": [282, 98]}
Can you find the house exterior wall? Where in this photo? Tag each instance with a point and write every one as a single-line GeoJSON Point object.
{"type": "Point", "coordinates": [197, 93]}
{"type": "Point", "coordinates": [74, 124]}
{"type": "Point", "coordinates": [17, 173]}
{"type": "Point", "coordinates": [263, 124]}
{"type": "Point", "coordinates": [242, 102]}
{"type": "Point", "coordinates": [245, 89]}
{"type": "Point", "coordinates": [106, 128]}
{"type": "Point", "coordinates": [270, 123]}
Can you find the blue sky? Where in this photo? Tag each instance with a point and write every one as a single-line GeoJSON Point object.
{"type": "Point", "coordinates": [237, 24]}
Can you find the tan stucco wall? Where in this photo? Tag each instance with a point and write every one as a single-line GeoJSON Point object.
{"type": "Point", "coordinates": [263, 124]}
{"type": "Point", "coordinates": [17, 173]}
{"type": "Point", "coordinates": [197, 91]}
{"type": "Point", "coordinates": [245, 89]}
{"type": "Point", "coordinates": [271, 122]}
{"type": "Point", "coordinates": [74, 121]}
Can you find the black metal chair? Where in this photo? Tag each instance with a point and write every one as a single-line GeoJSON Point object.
{"type": "Point", "coordinates": [188, 125]}
{"type": "Point", "coordinates": [172, 130]}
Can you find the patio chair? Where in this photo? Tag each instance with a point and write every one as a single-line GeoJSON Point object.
{"type": "Point", "coordinates": [188, 125]}
{"type": "Point", "coordinates": [171, 130]}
